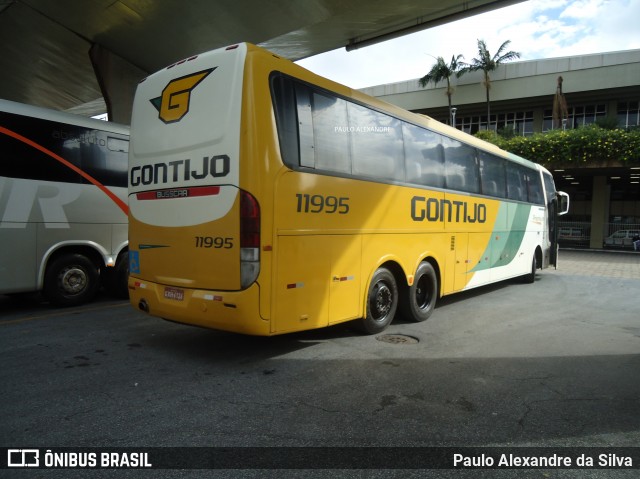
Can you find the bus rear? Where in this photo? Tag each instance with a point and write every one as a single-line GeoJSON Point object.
{"type": "Point", "coordinates": [194, 233]}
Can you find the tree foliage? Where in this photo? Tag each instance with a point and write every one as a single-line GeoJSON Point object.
{"type": "Point", "coordinates": [441, 71]}
{"type": "Point", "coordinates": [587, 146]}
{"type": "Point", "coordinates": [487, 63]}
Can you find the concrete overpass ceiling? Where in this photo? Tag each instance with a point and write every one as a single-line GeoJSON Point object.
{"type": "Point", "coordinates": [42, 62]}
{"type": "Point", "coordinates": [44, 44]}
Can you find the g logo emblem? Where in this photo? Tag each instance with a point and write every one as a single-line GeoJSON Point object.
{"type": "Point", "coordinates": [173, 105]}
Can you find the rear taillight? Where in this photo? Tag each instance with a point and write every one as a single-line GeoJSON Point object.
{"type": "Point", "coordinates": [249, 221]}
{"type": "Point", "coordinates": [249, 239]}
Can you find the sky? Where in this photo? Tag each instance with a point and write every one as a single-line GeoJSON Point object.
{"type": "Point", "coordinates": [537, 29]}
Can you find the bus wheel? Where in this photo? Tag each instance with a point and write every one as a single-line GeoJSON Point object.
{"type": "Point", "coordinates": [382, 302]}
{"type": "Point", "coordinates": [71, 279]}
{"type": "Point", "coordinates": [116, 278]}
{"type": "Point", "coordinates": [419, 300]}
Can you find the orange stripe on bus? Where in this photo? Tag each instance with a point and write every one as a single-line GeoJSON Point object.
{"type": "Point", "coordinates": [121, 204]}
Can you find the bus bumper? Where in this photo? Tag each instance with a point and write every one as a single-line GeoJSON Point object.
{"type": "Point", "coordinates": [234, 311]}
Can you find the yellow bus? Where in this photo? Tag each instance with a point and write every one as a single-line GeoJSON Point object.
{"type": "Point", "coordinates": [265, 199]}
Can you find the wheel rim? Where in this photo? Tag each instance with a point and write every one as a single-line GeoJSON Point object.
{"type": "Point", "coordinates": [73, 280]}
{"type": "Point", "coordinates": [381, 301]}
{"type": "Point", "coordinates": [422, 296]}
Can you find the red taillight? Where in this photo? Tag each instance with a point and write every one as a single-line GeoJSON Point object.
{"type": "Point", "coordinates": [249, 221]}
{"type": "Point", "coordinates": [249, 239]}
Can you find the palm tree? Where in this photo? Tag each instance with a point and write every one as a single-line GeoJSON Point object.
{"type": "Point", "coordinates": [488, 63]}
{"type": "Point", "coordinates": [441, 71]}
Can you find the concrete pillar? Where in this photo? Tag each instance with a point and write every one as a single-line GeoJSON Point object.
{"type": "Point", "coordinates": [118, 80]}
{"type": "Point", "coordinates": [600, 200]}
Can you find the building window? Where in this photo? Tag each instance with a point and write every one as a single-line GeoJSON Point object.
{"type": "Point", "coordinates": [585, 115]}
{"type": "Point", "coordinates": [521, 122]}
{"type": "Point", "coordinates": [578, 116]}
{"type": "Point", "coordinates": [628, 114]}
{"type": "Point", "coordinates": [547, 121]}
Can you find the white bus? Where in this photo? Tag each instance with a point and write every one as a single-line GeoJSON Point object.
{"type": "Point", "coordinates": [63, 204]}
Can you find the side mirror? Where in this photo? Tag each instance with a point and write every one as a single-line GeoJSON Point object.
{"type": "Point", "coordinates": [563, 203]}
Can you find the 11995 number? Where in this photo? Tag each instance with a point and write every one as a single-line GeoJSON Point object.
{"type": "Point", "coordinates": [216, 242]}
{"type": "Point", "coordinates": [320, 203]}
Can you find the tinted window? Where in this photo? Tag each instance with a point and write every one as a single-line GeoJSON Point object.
{"type": "Point", "coordinates": [516, 182]}
{"type": "Point", "coordinates": [424, 156]}
{"type": "Point", "coordinates": [284, 102]}
{"type": "Point", "coordinates": [376, 144]}
{"type": "Point", "coordinates": [492, 175]}
{"type": "Point", "coordinates": [100, 154]}
{"type": "Point", "coordinates": [524, 184]}
{"type": "Point", "coordinates": [460, 166]}
{"type": "Point", "coordinates": [330, 145]}
{"type": "Point", "coordinates": [534, 187]}
{"type": "Point", "coordinates": [319, 130]}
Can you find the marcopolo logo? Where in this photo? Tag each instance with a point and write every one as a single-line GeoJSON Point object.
{"type": "Point", "coordinates": [173, 105]}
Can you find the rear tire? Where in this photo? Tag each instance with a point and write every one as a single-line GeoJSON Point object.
{"type": "Point", "coordinates": [419, 299]}
{"type": "Point", "coordinates": [70, 280]}
{"type": "Point", "coordinates": [382, 302]}
{"type": "Point", "coordinates": [117, 278]}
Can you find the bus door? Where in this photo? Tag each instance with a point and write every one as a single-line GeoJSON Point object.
{"type": "Point", "coordinates": [557, 207]}
{"type": "Point", "coordinates": [463, 264]}
{"type": "Point", "coordinates": [552, 209]}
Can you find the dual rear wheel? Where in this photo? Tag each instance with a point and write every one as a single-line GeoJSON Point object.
{"type": "Point", "coordinates": [384, 297]}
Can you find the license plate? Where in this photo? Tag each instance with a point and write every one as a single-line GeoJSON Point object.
{"type": "Point", "coordinates": [176, 294]}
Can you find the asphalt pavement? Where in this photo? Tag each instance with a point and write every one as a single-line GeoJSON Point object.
{"type": "Point", "coordinates": [552, 364]}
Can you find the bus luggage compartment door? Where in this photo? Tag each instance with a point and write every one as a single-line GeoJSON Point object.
{"type": "Point", "coordinates": [317, 281]}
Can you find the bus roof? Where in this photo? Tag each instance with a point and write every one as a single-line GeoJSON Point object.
{"type": "Point", "coordinates": [61, 116]}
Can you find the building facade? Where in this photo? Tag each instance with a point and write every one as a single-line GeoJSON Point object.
{"type": "Point", "coordinates": [603, 88]}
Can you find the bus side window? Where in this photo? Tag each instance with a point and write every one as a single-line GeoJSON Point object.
{"type": "Point", "coordinates": [284, 104]}
{"type": "Point", "coordinates": [80, 149]}
{"type": "Point", "coordinates": [460, 166]}
{"type": "Point", "coordinates": [492, 175]}
{"type": "Point", "coordinates": [330, 133]}
{"type": "Point", "coordinates": [305, 127]}
{"type": "Point", "coordinates": [534, 185]}
{"type": "Point", "coordinates": [515, 183]}
{"type": "Point", "coordinates": [424, 156]}
{"type": "Point", "coordinates": [376, 142]}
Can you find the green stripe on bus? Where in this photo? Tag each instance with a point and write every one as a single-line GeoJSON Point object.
{"type": "Point", "coordinates": [504, 245]}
